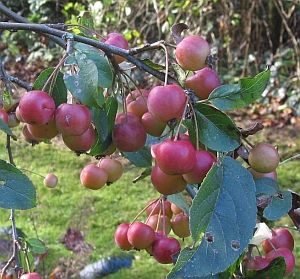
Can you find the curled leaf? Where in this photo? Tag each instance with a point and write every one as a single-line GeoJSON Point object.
{"type": "Point", "coordinates": [253, 130]}
{"type": "Point", "coordinates": [177, 30]}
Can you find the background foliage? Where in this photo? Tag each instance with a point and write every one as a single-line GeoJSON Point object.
{"type": "Point", "coordinates": [245, 35]}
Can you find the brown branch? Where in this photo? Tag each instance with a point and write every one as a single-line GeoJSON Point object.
{"type": "Point", "coordinates": [45, 29]}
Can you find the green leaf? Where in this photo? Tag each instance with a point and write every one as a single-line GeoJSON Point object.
{"type": "Point", "coordinates": [180, 201]}
{"type": "Point", "coordinates": [104, 121]}
{"type": "Point", "coordinates": [4, 127]}
{"type": "Point", "coordinates": [153, 65]}
{"type": "Point", "coordinates": [266, 186]}
{"type": "Point", "coordinates": [275, 270]}
{"type": "Point", "coordinates": [222, 217]}
{"type": "Point", "coordinates": [59, 90]}
{"type": "Point", "coordinates": [86, 20]}
{"type": "Point", "coordinates": [17, 191]}
{"type": "Point", "coordinates": [180, 73]}
{"type": "Point", "coordinates": [36, 246]}
{"type": "Point", "coordinates": [215, 129]}
{"type": "Point", "coordinates": [281, 201]}
{"type": "Point", "coordinates": [279, 206]}
{"type": "Point", "coordinates": [141, 158]}
{"type": "Point", "coordinates": [105, 73]}
{"type": "Point", "coordinates": [84, 84]}
{"type": "Point", "coordinates": [29, 260]}
{"type": "Point", "coordinates": [234, 96]}
{"type": "Point", "coordinates": [100, 147]}
{"type": "Point", "coordinates": [143, 175]}
{"type": "Point", "coordinates": [99, 119]}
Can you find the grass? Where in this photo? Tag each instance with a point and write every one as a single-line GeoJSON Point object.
{"type": "Point", "coordinates": [98, 213]}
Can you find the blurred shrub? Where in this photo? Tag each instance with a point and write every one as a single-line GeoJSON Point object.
{"type": "Point", "coordinates": [246, 36]}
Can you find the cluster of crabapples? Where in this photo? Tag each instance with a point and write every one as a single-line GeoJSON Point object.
{"type": "Point", "coordinates": [152, 236]}
{"type": "Point", "coordinates": [43, 120]}
{"type": "Point", "coordinates": [280, 244]}
{"type": "Point", "coordinates": [177, 160]}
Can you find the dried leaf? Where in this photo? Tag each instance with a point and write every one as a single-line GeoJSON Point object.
{"type": "Point", "coordinates": [177, 30]}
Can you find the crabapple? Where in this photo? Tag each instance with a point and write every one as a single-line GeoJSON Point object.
{"type": "Point", "coordinates": [13, 121]}
{"type": "Point", "coordinates": [191, 53]}
{"type": "Point", "coordinates": [121, 237]}
{"type": "Point", "coordinates": [113, 167]}
{"type": "Point", "coordinates": [156, 206]}
{"type": "Point", "coordinates": [175, 209]}
{"type": "Point", "coordinates": [257, 175]}
{"type": "Point", "coordinates": [203, 82]}
{"type": "Point", "coordinates": [36, 107]}
{"type": "Point", "coordinates": [50, 180]}
{"type": "Point", "coordinates": [129, 136]}
{"type": "Point", "coordinates": [4, 116]}
{"type": "Point", "coordinates": [122, 117]}
{"type": "Point", "coordinates": [288, 256]}
{"type": "Point", "coordinates": [18, 115]}
{"type": "Point", "coordinates": [263, 157]}
{"type": "Point", "coordinates": [158, 235]}
{"type": "Point", "coordinates": [32, 275]}
{"type": "Point", "coordinates": [255, 263]}
{"type": "Point", "coordinates": [134, 94]}
{"type": "Point", "coordinates": [180, 225]}
{"type": "Point", "coordinates": [30, 137]}
{"type": "Point", "coordinates": [93, 177]}
{"type": "Point", "coordinates": [138, 106]}
{"type": "Point", "coordinates": [160, 222]}
{"type": "Point", "coordinates": [175, 157]}
{"type": "Point", "coordinates": [166, 102]}
{"type": "Point", "coordinates": [140, 235]}
{"type": "Point", "coordinates": [46, 131]}
{"type": "Point", "coordinates": [72, 119]}
{"type": "Point", "coordinates": [164, 248]}
{"type": "Point", "coordinates": [281, 237]}
{"type": "Point", "coordinates": [204, 162]}
{"type": "Point", "coordinates": [167, 184]}
{"type": "Point", "coordinates": [117, 40]}
{"type": "Point", "coordinates": [81, 143]}
{"type": "Point", "coordinates": [152, 126]}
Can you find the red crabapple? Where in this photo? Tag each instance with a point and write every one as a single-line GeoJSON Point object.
{"type": "Point", "coordinates": [203, 82]}
{"type": "Point", "coordinates": [191, 53]}
{"type": "Point", "coordinates": [93, 177]}
{"type": "Point", "coordinates": [72, 119]}
{"type": "Point", "coordinates": [117, 40]}
{"type": "Point", "coordinates": [50, 180]}
{"type": "Point", "coordinates": [166, 102]}
{"type": "Point", "coordinates": [175, 157]}
{"type": "Point", "coordinates": [36, 107]}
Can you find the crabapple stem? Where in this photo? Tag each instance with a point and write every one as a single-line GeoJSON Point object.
{"type": "Point", "coordinates": [142, 211]}
{"type": "Point", "coordinates": [181, 119]}
{"type": "Point", "coordinates": [167, 64]}
{"type": "Point", "coordinates": [274, 248]}
{"type": "Point", "coordinates": [286, 227]}
{"type": "Point", "coordinates": [54, 73]}
{"type": "Point", "coordinates": [32, 172]}
{"type": "Point", "coordinates": [164, 214]}
{"type": "Point", "coordinates": [248, 142]}
{"type": "Point", "coordinates": [196, 126]}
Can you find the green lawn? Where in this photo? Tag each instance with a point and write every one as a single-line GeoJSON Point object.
{"type": "Point", "coordinates": [98, 213]}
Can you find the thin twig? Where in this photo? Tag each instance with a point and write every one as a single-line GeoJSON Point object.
{"type": "Point", "coordinates": [43, 28]}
